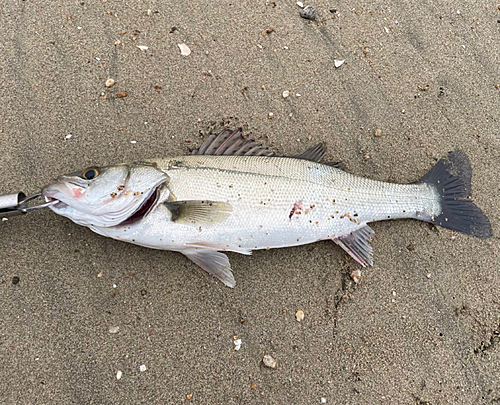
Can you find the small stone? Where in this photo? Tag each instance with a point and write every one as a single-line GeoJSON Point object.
{"type": "Point", "coordinates": [142, 368]}
{"type": "Point", "coordinates": [121, 94]}
{"type": "Point", "coordinates": [338, 62]}
{"type": "Point", "coordinates": [185, 51]}
{"type": "Point", "coordinates": [378, 132]}
{"type": "Point", "coordinates": [309, 13]}
{"type": "Point", "coordinates": [270, 115]}
{"type": "Point", "coordinates": [189, 396]}
{"type": "Point", "coordinates": [119, 374]}
{"type": "Point", "coordinates": [300, 4]}
{"type": "Point", "coordinates": [110, 83]}
{"type": "Point", "coordinates": [114, 329]}
{"type": "Point", "coordinates": [299, 315]}
{"type": "Point", "coordinates": [429, 275]}
{"type": "Point", "coordinates": [99, 275]}
{"type": "Point", "coordinates": [150, 13]}
{"type": "Point", "coordinates": [253, 386]}
{"type": "Point", "coordinates": [356, 276]}
{"type": "Point", "coordinates": [286, 94]}
{"type": "Point", "coordinates": [323, 400]}
{"type": "Point", "coordinates": [118, 42]}
{"type": "Point", "coordinates": [15, 280]}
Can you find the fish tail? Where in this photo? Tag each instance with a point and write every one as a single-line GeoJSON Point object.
{"type": "Point", "coordinates": [451, 178]}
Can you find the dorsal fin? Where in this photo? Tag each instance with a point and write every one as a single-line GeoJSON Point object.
{"type": "Point", "coordinates": [314, 154]}
{"type": "Point", "coordinates": [232, 143]}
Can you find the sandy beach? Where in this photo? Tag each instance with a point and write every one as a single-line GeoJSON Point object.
{"type": "Point", "coordinates": [77, 311]}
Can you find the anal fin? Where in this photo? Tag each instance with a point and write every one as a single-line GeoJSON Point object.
{"type": "Point", "coordinates": [213, 262]}
{"type": "Point", "coordinates": [357, 245]}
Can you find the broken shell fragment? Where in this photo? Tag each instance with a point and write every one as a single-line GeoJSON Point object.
{"type": "Point", "coordinates": [269, 361]}
{"type": "Point", "coordinates": [110, 83]}
{"type": "Point", "coordinates": [185, 51]}
{"type": "Point", "coordinates": [143, 47]}
{"type": "Point", "coordinates": [356, 276]}
{"type": "Point", "coordinates": [299, 315]}
{"type": "Point", "coordinates": [338, 63]}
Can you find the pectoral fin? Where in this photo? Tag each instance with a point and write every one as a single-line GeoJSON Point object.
{"type": "Point", "coordinates": [215, 263]}
{"type": "Point", "coordinates": [199, 212]}
{"type": "Point", "coordinates": [357, 245]}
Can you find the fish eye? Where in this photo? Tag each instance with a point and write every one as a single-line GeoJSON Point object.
{"type": "Point", "coordinates": [89, 174]}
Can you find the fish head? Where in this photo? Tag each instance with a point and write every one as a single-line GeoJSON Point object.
{"type": "Point", "coordinates": [106, 196]}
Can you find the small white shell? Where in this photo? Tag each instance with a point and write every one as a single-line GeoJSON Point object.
{"type": "Point", "coordinates": [143, 47]}
{"type": "Point", "coordinates": [338, 63]}
{"type": "Point", "coordinates": [185, 51]}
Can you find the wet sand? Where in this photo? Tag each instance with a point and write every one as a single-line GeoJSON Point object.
{"type": "Point", "coordinates": [422, 326]}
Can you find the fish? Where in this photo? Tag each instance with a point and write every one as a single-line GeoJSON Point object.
{"type": "Point", "coordinates": [236, 195]}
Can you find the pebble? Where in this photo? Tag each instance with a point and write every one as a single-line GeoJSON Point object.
{"type": "Point", "coordinates": [356, 276]}
{"type": "Point", "coordinates": [338, 63]}
{"type": "Point", "coordinates": [309, 13]}
{"type": "Point", "coordinates": [110, 83]}
{"type": "Point", "coordinates": [121, 94]}
{"type": "Point", "coordinates": [270, 115]}
{"type": "Point", "coordinates": [114, 329]}
{"type": "Point", "coordinates": [269, 361]}
{"type": "Point", "coordinates": [286, 93]}
{"type": "Point", "coordinates": [185, 51]}
{"type": "Point", "coordinates": [118, 42]}
{"type": "Point", "coordinates": [142, 368]}
{"type": "Point", "coordinates": [323, 400]}
{"type": "Point", "coordinates": [378, 132]}
{"type": "Point", "coordinates": [15, 280]}
{"type": "Point", "coordinates": [119, 374]}
{"type": "Point", "coordinates": [300, 4]}
{"type": "Point", "coordinates": [299, 315]}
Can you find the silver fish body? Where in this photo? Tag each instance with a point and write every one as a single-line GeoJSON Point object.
{"type": "Point", "coordinates": [276, 202]}
{"type": "Point", "coordinates": [207, 204]}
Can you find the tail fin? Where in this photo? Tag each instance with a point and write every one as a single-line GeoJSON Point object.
{"type": "Point", "coordinates": [452, 178]}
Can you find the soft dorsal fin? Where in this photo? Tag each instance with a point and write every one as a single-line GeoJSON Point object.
{"type": "Point", "coordinates": [213, 262]}
{"type": "Point", "coordinates": [314, 154]}
{"type": "Point", "coordinates": [232, 143]}
{"type": "Point", "coordinates": [198, 212]}
{"type": "Point", "coordinates": [357, 245]}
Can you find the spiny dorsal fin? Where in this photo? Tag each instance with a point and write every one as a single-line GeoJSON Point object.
{"type": "Point", "coordinates": [357, 245]}
{"type": "Point", "coordinates": [314, 154]}
{"type": "Point", "coordinates": [213, 262]}
{"type": "Point", "coordinates": [232, 143]}
{"type": "Point", "coordinates": [197, 212]}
